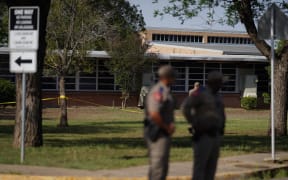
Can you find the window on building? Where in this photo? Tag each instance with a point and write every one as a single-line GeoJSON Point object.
{"type": "Point", "coordinates": [196, 74]}
{"type": "Point", "coordinates": [4, 68]}
{"type": "Point", "coordinates": [191, 72]}
{"type": "Point", "coordinates": [263, 79]}
{"type": "Point", "coordinates": [99, 79]}
{"type": "Point", "coordinates": [162, 37]}
{"type": "Point", "coordinates": [188, 39]}
{"type": "Point", "coordinates": [88, 81]}
{"type": "Point", "coordinates": [180, 81]}
{"type": "Point", "coordinates": [177, 38]}
{"type": "Point", "coordinates": [229, 40]}
{"type": "Point", "coordinates": [166, 37]}
{"type": "Point", "coordinates": [105, 78]}
{"type": "Point", "coordinates": [50, 83]}
{"type": "Point", "coordinates": [171, 38]}
{"type": "Point", "coordinates": [70, 82]}
{"type": "Point", "coordinates": [229, 72]}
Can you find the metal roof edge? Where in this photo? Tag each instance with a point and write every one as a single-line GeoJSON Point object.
{"type": "Point", "coordinates": [227, 58]}
{"type": "Point", "coordinates": [194, 30]}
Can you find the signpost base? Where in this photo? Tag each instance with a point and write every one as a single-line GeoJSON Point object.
{"type": "Point", "coordinates": [275, 160]}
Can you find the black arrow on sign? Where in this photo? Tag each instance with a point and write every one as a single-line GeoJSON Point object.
{"type": "Point", "coordinates": [20, 61]}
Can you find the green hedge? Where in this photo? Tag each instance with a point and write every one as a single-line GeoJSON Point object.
{"type": "Point", "coordinates": [7, 91]}
{"type": "Point", "coordinates": [249, 103]}
{"type": "Point", "coordinates": [266, 98]}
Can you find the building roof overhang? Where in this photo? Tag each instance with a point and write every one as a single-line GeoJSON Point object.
{"type": "Point", "coordinates": [220, 58]}
{"type": "Point", "coordinates": [179, 57]}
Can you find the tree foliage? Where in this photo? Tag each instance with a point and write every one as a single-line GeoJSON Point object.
{"type": "Point", "coordinates": [127, 62]}
{"type": "Point", "coordinates": [3, 23]}
{"type": "Point", "coordinates": [187, 9]}
{"type": "Point", "coordinates": [7, 91]}
{"type": "Point", "coordinates": [70, 33]}
{"type": "Point", "coordinates": [124, 43]}
{"type": "Point", "coordinates": [72, 29]}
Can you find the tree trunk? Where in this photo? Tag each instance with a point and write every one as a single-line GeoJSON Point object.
{"type": "Point", "coordinates": [63, 103]}
{"type": "Point", "coordinates": [33, 124]}
{"type": "Point", "coordinates": [280, 89]}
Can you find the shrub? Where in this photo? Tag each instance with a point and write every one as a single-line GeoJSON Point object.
{"type": "Point", "coordinates": [249, 103]}
{"type": "Point", "coordinates": [7, 91]}
{"type": "Point", "coordinates": [266, 98]}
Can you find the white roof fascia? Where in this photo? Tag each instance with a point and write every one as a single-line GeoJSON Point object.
{"type": "Point", "coordinates": [185, 47]}
{"type": "Point", "coordinates": [226, 58]}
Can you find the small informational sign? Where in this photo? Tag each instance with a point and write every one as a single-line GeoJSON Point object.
{"type": "Point", "coordinates": [24, 28]}
{"type": "Point", "coordinates": [21, 62]}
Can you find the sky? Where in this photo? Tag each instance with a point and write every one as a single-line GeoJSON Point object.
{"type": "Point", "coordinates": [168, 21]}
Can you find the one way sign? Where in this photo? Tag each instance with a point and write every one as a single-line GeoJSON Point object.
{"type": "Point", "coordinates": [23, 62]}
{"type": "Point", "coordinates": [23, 38]}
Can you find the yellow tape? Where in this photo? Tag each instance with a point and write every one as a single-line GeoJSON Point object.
{"type": "Point", "coordinates": [79, 100]}
{"type": "Point", "coordinates": [48, 99]}
{"type": "Point", "coordinates": [63, 97]}
{"type": "Point", "coordinates": [6, 103]}
{"type": "Point", "coordinates": [45, 99]}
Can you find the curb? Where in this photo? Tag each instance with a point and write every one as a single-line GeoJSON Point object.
{"type": "Point", "coordinates": [221, 176]}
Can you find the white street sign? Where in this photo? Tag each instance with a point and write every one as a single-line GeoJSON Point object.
{"type": "Point", "coordinates": [23, 62]}
{"type": "Point", "coordinates": [23, 28]}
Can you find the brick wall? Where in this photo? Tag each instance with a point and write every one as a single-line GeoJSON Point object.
{"type": "Point", "coordinates": [110, 98]}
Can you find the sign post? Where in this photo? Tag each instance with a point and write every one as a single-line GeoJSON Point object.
{"type": "Point", "coordinates": [273, 25]}
{"type": "Point", "coordinates": [23, 46]}
{"type": "Point", "coordinates": [23, 116]}
{"type": "Point", "coordinates": [272, 85]}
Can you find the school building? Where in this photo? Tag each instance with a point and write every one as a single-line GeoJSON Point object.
{"type": "Point", "coordinates": [193, 54]}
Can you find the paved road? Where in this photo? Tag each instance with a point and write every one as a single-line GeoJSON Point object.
{"type": "Point", "coordinates": [228, 168]}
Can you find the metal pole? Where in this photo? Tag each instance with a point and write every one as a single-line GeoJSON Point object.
{"type": "Point", "coordinates": [272, 87]}
{"type": "Point", "coordinates": [23, 116]}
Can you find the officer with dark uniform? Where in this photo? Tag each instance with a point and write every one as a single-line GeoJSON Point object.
{"type": "Point", "coordinates": [159, 123]}
{"type": "Point", "coordinates": [205, 111]}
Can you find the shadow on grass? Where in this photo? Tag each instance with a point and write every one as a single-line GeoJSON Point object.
{"type": "Point", "coordinates": [92, 128]}
{"type": "Point", "coordinates": [60, 137]}
{"type": "Point", "coordinates": [248, 144]}
{"type": "Point", "coordinates": [113, 142]}
{"type": "Point", "coordinates": [6, 129]}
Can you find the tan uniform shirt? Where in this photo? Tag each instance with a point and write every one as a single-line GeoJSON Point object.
{"type": "Point", "coordinates": [161, 100]}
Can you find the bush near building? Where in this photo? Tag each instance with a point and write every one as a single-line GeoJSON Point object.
{"type": "Point", "coordinates": [249, 103]}
{"type": "Point", "coordinates": [266, 98]}
{"type": "Point", "coordinates": [7, 91]}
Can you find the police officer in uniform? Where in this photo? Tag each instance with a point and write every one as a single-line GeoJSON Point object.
{"type": "Point", "coordinates": [159, 123]}
{"type": "Point", "coordinates": [205, 111]}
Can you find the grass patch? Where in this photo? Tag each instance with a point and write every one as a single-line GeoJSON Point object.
{"type": "Point", "coordinates": [277, 174]}
{"type": "Point", "coordinates": [105, 138]}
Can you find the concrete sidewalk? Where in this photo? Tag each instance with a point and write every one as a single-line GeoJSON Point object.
{"type": "Point", "coordinates": [236, 167]}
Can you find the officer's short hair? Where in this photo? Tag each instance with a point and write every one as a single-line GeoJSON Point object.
{"type": "Point", "coordinates": [215, 77]}
{"type": "Point", "coordinates": [166, 71]}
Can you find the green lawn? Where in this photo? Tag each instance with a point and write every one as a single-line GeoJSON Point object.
{"type": "Point", "coordinates": [106, 138]}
